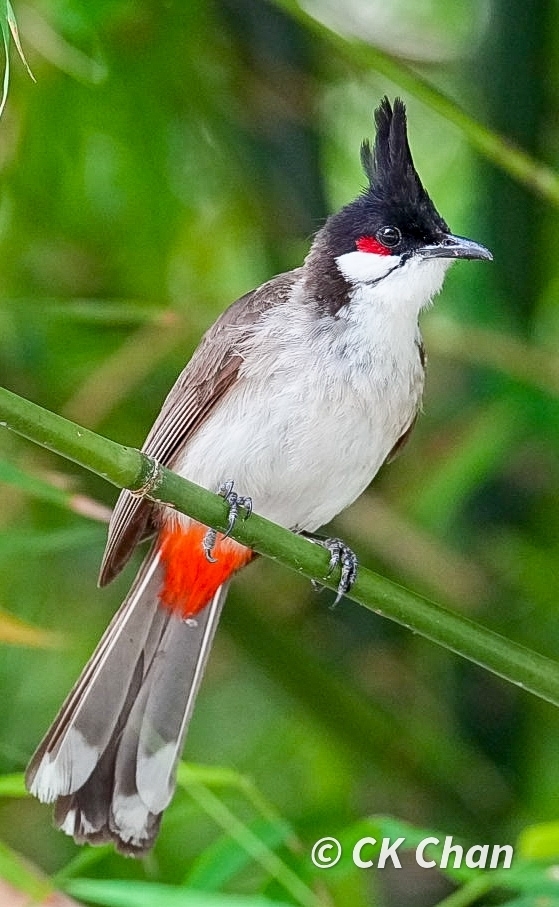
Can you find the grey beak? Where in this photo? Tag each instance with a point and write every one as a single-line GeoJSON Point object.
{"type": "Point", "coordinates": [456, 247]}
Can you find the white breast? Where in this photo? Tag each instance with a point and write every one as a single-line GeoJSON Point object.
{"type": "Point", "coordinates": [318, 406]}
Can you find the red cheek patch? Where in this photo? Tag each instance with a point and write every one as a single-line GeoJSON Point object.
{"type": "Point", "coordinates": [370, 244]}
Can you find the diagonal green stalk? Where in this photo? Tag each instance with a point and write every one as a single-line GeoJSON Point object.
{"type": "Point", "coordinates": [129, 468]}
{"type": "Point", "coordinates": [500, 151]}
{"type": "Point", "coordinates": [245, 837]}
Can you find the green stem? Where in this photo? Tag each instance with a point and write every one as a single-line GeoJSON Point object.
{"type": "Point", "coordinates": [220, 778]}
{"type": "Point", "coordinates": [129, 468]}
{"type": "Point", "coordinates": [246, 838]}
{"type": "Point", "coordinates": [499, 150]}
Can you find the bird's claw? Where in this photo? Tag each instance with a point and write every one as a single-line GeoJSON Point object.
{"type": "Point", "coordinates": [208, 544]}
{"type": "Point", "coordinates": [234, 502]}
{"type": "Point", "coordinates": [343, 557]}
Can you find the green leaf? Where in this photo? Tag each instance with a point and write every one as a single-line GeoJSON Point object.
{"type": "Point", "coordinates": [391, 827]}
{"type": "Point", "coordinates": [39, 488]}
{"type": "Point", "coordinates": [85, 858]}
{"type": "Point", "coordinates": [239, 831]}
{"type": "Point", "coordinates": [17, 872]}
{"type": "Point", "coordinates": [8, 25]}
{"type": "Point", "coordinates": [539, 841]}
{"type": "Point", "coordinates": [126, 893]}
{"type": "Point", "coordinates": [6, 40]}
{"type": "Point", "coordinates": [530, 877]}
{"type": "Point", "coordinates": [11, 19]}
{"type": "Point", "coordinates": [225, 858]}
{"type": "Point", "coordinates": [34, 542]}
{"type": "Point", "coordinates": [531, 884]}
{"type": "Point", "coordinates": [12, 785]}
{"type": "Point", "coordinates": [11, 474]}
{"type": "Point", "coordinates": [532, 900]}
{"type": "Point", "coordinates": [16, 632]}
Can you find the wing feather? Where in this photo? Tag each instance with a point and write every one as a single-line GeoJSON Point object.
{"type": "Point", "coordinates": [212, 371]}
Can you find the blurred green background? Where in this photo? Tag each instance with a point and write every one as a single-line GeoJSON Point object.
{"type": "Point", "coordinates": [170, 157]}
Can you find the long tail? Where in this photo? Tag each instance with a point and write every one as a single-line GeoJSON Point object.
{"type": "Point", "coordinates": [109, 760]}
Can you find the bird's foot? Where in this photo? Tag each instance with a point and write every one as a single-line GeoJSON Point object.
{"type": "Point", "coordinates": [340, 556]}
{"type": "Point", "coordinates": [234, 502]}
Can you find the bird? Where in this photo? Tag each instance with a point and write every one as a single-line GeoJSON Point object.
{"type": "Point", "coordinates": [296, 396]}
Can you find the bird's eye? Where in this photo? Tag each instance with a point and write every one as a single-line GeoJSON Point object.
{"type": "Point", "coordinates": [389, 236]}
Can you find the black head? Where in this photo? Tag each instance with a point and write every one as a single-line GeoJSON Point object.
{"type": "Point", "coordinates": [394, 215]}
{"type": "Point", "coordinates": [393, 219]}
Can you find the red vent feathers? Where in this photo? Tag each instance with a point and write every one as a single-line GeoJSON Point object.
{"type": "Point", "coordinates": [190, 579]}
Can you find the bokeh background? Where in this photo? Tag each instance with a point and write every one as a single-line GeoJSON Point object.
{"type": "Point", "coordinates": [170, 157]}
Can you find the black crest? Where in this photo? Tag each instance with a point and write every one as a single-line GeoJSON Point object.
{"type": "Point", "coordinates": [393, 179]}
{"type": "Point", "coordinates": [395, 197]}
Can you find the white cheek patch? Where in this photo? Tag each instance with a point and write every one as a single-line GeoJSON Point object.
{"type": "Point", "coordinates": [393, 284]}
{"type": "Point", "coordinates": [417, 281]}
{"type": "Point", "coordinates": [364, 267]}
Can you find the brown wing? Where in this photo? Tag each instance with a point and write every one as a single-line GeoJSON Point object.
{"type": "Point", "coordinates": [205, 380]}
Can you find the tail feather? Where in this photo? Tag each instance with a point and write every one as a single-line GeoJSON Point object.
{"type": "Point", "coordinates": [83, 728]}
{"type": "Point", "coordinates": [156, 728]}
{"type": "Point", "coordinates": [109, 760]}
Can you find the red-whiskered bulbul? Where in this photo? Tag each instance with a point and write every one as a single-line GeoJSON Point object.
{"type": "Point", "coordinates": [299, 393]}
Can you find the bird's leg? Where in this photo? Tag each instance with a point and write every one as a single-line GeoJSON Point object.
{"type": "Point", "coordinates": [234, 501]}
{"type": "Point", "coordinates": [340, 556]}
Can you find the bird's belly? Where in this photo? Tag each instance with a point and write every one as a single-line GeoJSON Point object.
{"type": "Point", "coordinates": [302, 453]}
